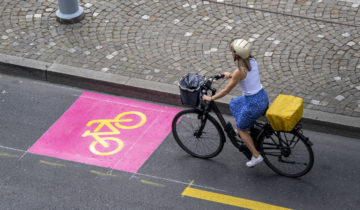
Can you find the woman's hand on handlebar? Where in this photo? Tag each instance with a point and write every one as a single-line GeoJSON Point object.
{"type": "Point", "coordinates": [227, 75]}
{"type": "Point", "coordinates": [206, 98]}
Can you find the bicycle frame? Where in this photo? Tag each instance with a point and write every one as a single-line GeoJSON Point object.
{"type": "Point", "coordinates": [227, 127]}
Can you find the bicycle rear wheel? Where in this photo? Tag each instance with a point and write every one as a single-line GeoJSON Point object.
{"type": "Point", "coordinates": [201, 143]}
{"type": "Point", "coordinates": [287, 154]}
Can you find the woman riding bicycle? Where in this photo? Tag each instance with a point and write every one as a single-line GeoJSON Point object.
{"type": "Point", "coordinates": [254, 101]}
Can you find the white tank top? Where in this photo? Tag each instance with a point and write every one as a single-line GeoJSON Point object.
{"type": "Point", "coordinates": [251, 84]}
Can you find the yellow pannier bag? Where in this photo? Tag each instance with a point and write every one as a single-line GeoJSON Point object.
{"type": "Point", "coordinates": [285, 112]}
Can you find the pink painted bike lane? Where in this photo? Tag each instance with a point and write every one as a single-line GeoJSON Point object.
{"type": "Point", "coordinates": [107, 131]}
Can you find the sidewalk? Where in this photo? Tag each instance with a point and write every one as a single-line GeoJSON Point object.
{"type": "Point", "coordinates": [142, 48]}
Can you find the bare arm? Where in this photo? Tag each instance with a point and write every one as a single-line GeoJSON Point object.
{"type": "Point", "coordinates": [236, 76]}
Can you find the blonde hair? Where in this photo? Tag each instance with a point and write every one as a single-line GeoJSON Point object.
{"type": "Point", "coordinates": [245, 61]}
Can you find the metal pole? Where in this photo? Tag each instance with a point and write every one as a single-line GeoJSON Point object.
{"type": "Point", "coordinates": [69, 11]}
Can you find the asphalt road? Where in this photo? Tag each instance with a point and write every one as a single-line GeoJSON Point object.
{"type": "Point", "coordinates": [28, 108]}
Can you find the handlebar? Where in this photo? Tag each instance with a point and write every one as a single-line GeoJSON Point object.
{"type": "Point", "coordinates": [219, 76]}
{"type": "Point", "coordinates": [207, 86]}
{"type": "Point", "coordinates": [209, 82]}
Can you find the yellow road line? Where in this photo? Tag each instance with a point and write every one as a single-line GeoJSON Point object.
{"type": "Point", "coordinates": [229, 200]}
{"type": "Point", "coordinates": [4, 154]}
{"type": "Point", "coordinates": [102, 173]}
{"type": "Point", "coordinates": [152, 183]}
{"type": "Point", "coordinates": [51, 163]}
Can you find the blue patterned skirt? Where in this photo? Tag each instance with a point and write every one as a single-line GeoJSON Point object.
{"type": "Point", "coordinates": [247, 109]}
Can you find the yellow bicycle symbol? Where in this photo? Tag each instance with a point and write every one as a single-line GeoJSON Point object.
{"type": "Point", "coordinates": [119, 122]}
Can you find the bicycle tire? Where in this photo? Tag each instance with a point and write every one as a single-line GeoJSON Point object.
{"type": "Point", "coordinates": [213, 139]}
{"type": "Point", "coordinates": [278, 163]}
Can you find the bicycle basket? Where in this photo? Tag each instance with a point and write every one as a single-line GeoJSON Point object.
{"type": "Point", "coordinates": [190, 89]}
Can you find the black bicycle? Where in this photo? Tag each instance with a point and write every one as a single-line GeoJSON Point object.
{"type": "Point", "coordinates": [199, 134]}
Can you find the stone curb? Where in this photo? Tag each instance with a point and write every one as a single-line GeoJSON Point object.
{"type": "Point", "coordinates": [142, 89]}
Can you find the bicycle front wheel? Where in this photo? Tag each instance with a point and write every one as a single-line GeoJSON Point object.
{"type": "Point", "coordinates": [287, 154]}
{"type": "Point", "coordinates": [196, 138]}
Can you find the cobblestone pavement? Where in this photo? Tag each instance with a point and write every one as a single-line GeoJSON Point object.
{"type": "Point", "coordinates": [305, 48]}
